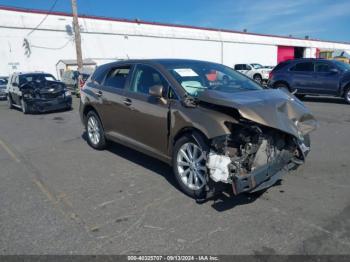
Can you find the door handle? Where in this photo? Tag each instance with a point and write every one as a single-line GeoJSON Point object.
{"type": "Point", "coordinates": [99, 93]}
{"type": "Point", "coordinates": [127, 101]}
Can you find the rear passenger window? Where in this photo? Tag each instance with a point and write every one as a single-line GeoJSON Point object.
{"type": "Point", "coordinates": [116, 77]}
{"type": "Point", "coordinates": [238, 67]}
{"type": "Point", "coordinates": [322, 67]}
{"type": "Point", "coordinates": [303, 67]}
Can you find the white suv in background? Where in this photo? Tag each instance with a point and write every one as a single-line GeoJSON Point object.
{"type": "Point", "coordinates": [255, 71]}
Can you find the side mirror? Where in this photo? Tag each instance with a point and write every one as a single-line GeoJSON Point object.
{"type": "Point", "coordinates": [156, 91]}
{"type": "Point", "coordinates": [333, 70]}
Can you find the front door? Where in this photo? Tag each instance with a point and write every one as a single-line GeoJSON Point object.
{"type": "Point", "coordinates": [303, 78]}
{"type": "Point", "coordinates": [327, 81]}
{"type": "Point", "coordinates": [147, 117]}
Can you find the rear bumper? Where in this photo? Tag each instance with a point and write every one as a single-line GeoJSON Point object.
{"type": "Point", "coordinates": [39, 105]}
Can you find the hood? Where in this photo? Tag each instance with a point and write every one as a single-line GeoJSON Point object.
{"type": "Point", "coordinates": [52, 86]}
{"type": "Point", "coordinates": [268, 107]}
{"type": "Point", "coordinates": [264, 69]}
{"type": "Point", "coordinates": [44, 86]}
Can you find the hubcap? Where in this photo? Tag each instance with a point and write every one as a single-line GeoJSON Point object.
{"type": "Point", "coordinates": [191, 166]}
{"type": "Point", "coordinates": [93, 130]}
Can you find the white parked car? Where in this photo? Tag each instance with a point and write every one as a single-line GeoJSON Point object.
{"type": "Point", "coordinates": [255, 71]}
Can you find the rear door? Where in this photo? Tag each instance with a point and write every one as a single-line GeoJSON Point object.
{"type": "Point", "coordinates": [246, 69]}
{"type": "Point", "coordinates": [108, 98]}
{"type": "Point", "coordinates": [327, 81]}
{"type": "Point", "coordinates": [147, 116]}
{"type": "Point", "coordinates": [303, 77]}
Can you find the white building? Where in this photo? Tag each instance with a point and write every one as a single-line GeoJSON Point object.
{"type": "Point", "coordinates": [107, 39]}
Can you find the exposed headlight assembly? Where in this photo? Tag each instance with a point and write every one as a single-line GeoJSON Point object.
{"type": "Point", "coordinates": [27, 95]}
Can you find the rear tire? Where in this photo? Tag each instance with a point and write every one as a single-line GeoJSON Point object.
{"type": "Point", "coordinates": [347, 95]}
{"type": "Point", "coordinates": [283, 87]}
{"type": "Point", "coordinates": [24, 107]}
{"type": "Point", "coordinates": [95, 133]}
{"type": "Point", "coordinates": [189, 165]}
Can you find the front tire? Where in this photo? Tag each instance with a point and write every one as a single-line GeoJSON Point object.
{"type": "Point", "coordinates": [9, 101]}
{"type": "Point", "coordinates": [24, 107]}
{"type": "Point", "coordinates": [300, 96]}
{"type": "Point", "coordinates": [347, 95]}
{"type": "Point", "coordinates": [189, 165]}
{"type": "Point", "coordinates": [95, 133]}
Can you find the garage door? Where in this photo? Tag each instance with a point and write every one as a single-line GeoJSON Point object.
{"type": "Point", "coordinates": [284, 53]}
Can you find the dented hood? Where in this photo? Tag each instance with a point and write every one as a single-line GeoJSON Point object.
{"type": "Point", "coordinates": [269, 107]}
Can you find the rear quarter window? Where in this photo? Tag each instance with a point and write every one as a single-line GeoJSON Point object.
{"type": "Point", "coordinates": [280, 66]}
{"type": "Point", "coordinates": [99, 74]}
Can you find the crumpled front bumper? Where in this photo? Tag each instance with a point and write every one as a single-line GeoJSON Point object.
{"type": "Point", "coordinates": [264, 176]}
{"type": "Point", "coordinates": [45, 105]}
{"type": "Point", "coordinates": [265, 171]}
{"type": "Point", "coordinates": [267, 175]}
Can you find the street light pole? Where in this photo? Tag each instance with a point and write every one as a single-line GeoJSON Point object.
{"type": "Point", "coordinates": [77, 37]}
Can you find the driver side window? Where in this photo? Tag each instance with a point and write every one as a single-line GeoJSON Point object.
{"type": "Point", "coordinates": [144, 78]}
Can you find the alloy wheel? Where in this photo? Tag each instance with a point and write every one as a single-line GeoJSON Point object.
{"type": "Point", "coordinates": [347, 96]}
{"type": "Point", "coordinates": [191, 166]}
{"type": "Point", "coordinates": [93, 130]}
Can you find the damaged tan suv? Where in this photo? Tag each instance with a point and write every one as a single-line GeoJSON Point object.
{"type": "Point", "coordinates": [212, 132]}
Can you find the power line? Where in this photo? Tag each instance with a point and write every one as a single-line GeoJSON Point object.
{"type": "Point", "coordinates": [52, 48]}
{"type": "Point", "coordinates": [43, 20]}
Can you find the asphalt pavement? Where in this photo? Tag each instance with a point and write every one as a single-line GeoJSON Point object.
{"type": "Point", "coordinates": [59, 196]}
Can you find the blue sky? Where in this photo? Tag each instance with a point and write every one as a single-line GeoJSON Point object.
{"type": "Point", "coordinates": [320, 19]}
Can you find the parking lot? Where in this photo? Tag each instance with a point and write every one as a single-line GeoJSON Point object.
{"type": "Point", "coordinates": [59, 196]}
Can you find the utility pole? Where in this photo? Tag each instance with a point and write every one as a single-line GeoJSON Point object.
{"type": "Point", "coordinates": [77, 38]}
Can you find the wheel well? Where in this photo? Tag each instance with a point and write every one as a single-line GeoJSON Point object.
{"type": "Point", "coordinates": [257, 74]}
{"type": "Point", "coordinates": [189, 130]}
{"type": "Point", "coordinates": [87, 109]}
{"type": "Point", "coordinates": [281, 83]}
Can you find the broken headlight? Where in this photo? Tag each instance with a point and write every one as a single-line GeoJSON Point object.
{"type": "Point", "coordinates": [27, 95]}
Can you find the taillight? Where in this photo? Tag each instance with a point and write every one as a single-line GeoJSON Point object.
{"type": "Point", "coordinates": [81, 83]}
{"type": "Point", "coordinates": [270, 75]}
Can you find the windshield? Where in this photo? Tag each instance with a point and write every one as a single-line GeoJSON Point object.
{"type": "Point", "coordinates": [256, 66]}
{"type": "Point", "coordinates": [23, 79]}
{"type": "Point", "coordinates": [342, 65]}
{"type": "Point", "coordinates": [196, 77]}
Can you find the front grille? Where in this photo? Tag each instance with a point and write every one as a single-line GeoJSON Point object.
{"type": "Point", "coordinates": [52, 95]}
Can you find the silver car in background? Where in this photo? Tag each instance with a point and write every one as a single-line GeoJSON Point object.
{"type": "Point", "coordinates": [3, 84]}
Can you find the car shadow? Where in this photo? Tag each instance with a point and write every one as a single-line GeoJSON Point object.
{"type": "Point", "coordinates": [220, 201]}
{"type": "Point", "coordinates": [224, 202]}
{"type": "Point", "coordinates": [141, 159]}
{"type": "Point", "coordinates": [332, 100]}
